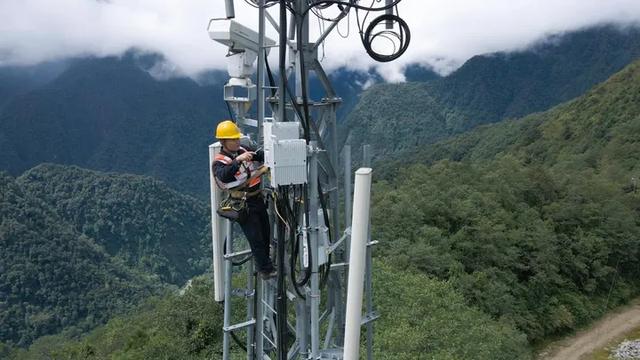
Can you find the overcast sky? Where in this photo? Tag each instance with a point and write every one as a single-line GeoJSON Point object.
{"type": "Point", "coordinates": [445, 33]}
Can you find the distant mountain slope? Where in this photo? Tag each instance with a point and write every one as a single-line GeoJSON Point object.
{"type": "Point", "coordinates": [137, 219]}
{"type": "Point", "coordinates": [79, 246]}
{"type": "Point", "coordinates": [499, 86]}
{"type": "Point", "coordinates": [53, 277]}
{"type": "Point", "coordinates": [17, 80]}
{"type": "Point", "coordinates": [597, 130]}
{"type": "Point", "coordinates": [534, 220]}
{"type": "Point", "coordinates": [490, 88]}
{"type": "Point", "coordinates": [109, 114]}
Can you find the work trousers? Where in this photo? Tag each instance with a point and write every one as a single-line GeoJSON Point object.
{"type": "Point", "coordinates": [256, 228]}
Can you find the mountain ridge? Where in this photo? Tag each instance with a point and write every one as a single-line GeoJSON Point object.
{"type": "Point", "coordinates": [490, 88]}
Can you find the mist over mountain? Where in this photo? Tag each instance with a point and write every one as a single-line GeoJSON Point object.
{"type": "Point", "coordinates": [112, 114]}
{"type": "Point", "coordinates": [490, 88]}
{"type": "Point", "coordinates": [109, 114]}
{"type": "Point", "coordinates": [118, 114]}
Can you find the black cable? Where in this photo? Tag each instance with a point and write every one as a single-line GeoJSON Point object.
{"type": "Point", "coordinates": [295, 250]}
{"type": "Point", "coordinates": [364, 20]}
{"type": "Point", "coordinates": [325, 213]}
{"type": "Point", "coordinates": [305, 104]}
{"type": "Point", "coordinates": [315, 9]}
{"type": "Point", "coordinates": [281, 322]}
{"type": "Point", "coordinates": [303, 76]}
{"type": "Point", "coordinates": [267, 4]}
{"type": "Point", "coordinates": [230, 113]}
{"type": "Point", "coordinates": [351, 4]}
{"type": "Point", "coordinates": [293, 254]}
{"type": "Point", "coordinates": [295, 245]}
{"type": "Point", "coordinates": [296, 107]}
{"type": "Point", "coordinates": [234, 263]}
{"type": "Point", "coordinates": [241, 262]}
{"type": "Point", "coordinates": [281, 303]}
{"type": "Point", "coordinates": [272, 82]}
{"type": "Point", "coordinates": [237, 341]}
{"type": "Point", "coordinates": [305, 96]}
{"type": "Point", "coordinates": [403, 36]}
{"type": "Point", "coordinates": [292, 265]}
{"type": "Point", "coordinates": [305, 196]}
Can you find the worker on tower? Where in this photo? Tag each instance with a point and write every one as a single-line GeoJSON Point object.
{"type": "Point", "coordinates": [238, 171]}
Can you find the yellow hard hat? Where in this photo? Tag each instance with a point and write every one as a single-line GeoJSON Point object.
{"type": "Point", "coordinates": [228, 130]}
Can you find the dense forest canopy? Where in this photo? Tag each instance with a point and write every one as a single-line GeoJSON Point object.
{"type": "Point", "coordinates": [79, 246]}
{"type": "Point", "coordinates": [538, 223]}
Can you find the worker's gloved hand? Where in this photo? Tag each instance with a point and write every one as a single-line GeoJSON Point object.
{"type": "Point", "coordinates": [245, 156]}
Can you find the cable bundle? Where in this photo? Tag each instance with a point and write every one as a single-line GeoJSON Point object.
{"type": "Point", "coordinates": [396, 30]}
{"type": "Point", "coordinates": [399, 37]}
{"type": "Point", "coordinates": [402, 37]}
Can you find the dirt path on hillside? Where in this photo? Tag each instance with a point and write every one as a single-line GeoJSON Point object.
{"type": "Point", "coordinates": [596, 336]}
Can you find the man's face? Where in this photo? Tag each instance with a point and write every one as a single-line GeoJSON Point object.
{"type": "Point", "coordinates": [231, 145]}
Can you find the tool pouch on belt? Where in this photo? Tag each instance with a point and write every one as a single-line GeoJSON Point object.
{"type": "Point", "coordinates": [233, 209]}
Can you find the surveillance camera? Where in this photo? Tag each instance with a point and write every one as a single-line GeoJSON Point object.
{"type": "Point", "coordinates": [236, 36]}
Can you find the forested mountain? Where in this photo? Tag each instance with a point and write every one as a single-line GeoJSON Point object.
{"type": "Point", "coordinates": [432, 321]}
{"type": "Point", "coordinates": [80, 246]}
{"type": "Point", "coordinates": [17, 80]}
{"type": "Point", "coordinates": [598, 131]}
{"type": "Point", "coordinates": [137, 219]}
{"type": "Point", "coordinates": [109, 114]}
{"type": "Point", "coordinates": [490, 88]}
{"type": "Point", "coordinates": [537, 224]}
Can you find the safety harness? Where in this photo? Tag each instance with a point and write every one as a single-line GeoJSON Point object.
{"type": "Point", "coordinates": [246, 178]}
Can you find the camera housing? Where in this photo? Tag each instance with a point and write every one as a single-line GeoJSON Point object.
{"type": "Point", "coordinates": [236, 36]}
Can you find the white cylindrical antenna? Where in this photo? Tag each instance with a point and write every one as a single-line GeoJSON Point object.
{"type": "Point", "coordinates": [228, 6]}
{"type": "Point", "coordinates": [359, 231]}
{"type": "Point", "coordinates": [217, 229]}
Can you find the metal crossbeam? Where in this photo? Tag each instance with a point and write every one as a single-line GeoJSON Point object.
{"type": "Point", "coordinates": [239, 326]}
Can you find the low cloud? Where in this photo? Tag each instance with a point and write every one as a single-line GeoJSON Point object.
{"type": "Point", "coordinates": [444, 34]}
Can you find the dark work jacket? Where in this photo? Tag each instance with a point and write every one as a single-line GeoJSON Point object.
{"type": "Point", "coordinates": [226, 173]}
